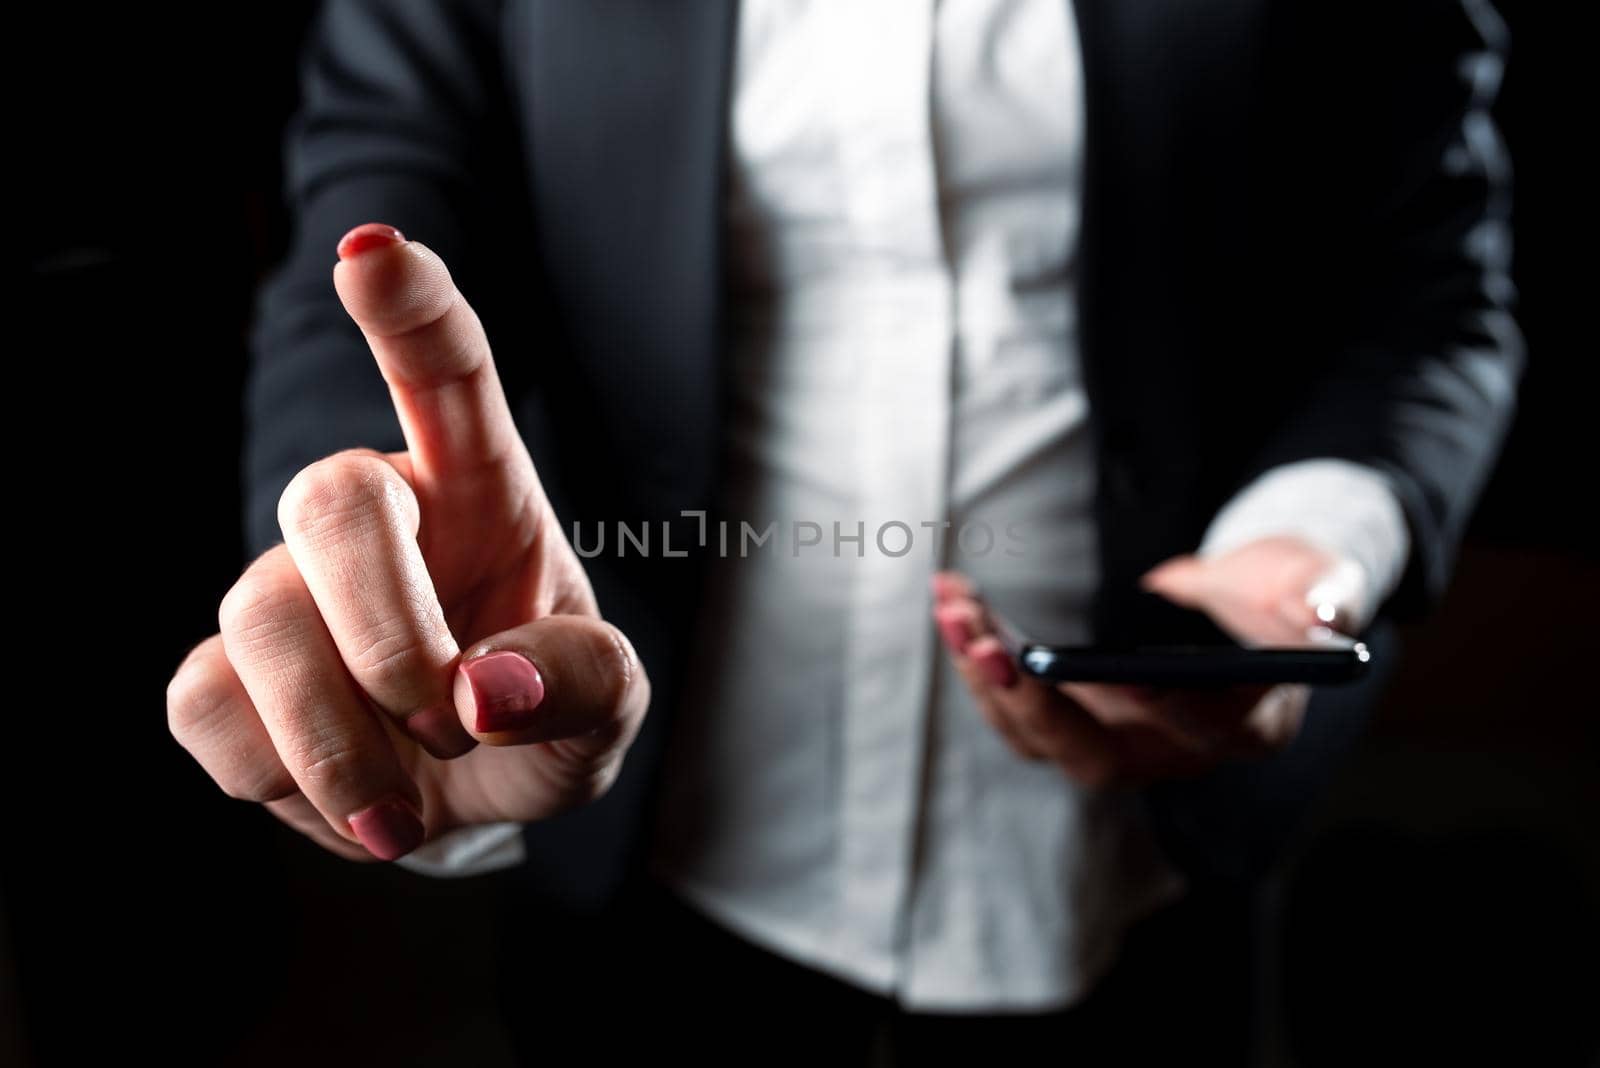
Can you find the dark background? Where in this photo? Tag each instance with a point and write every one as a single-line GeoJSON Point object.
{"type": "Point", "coordinates": [1444, 899]}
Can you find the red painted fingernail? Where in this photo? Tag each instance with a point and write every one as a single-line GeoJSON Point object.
{"type": "Point", "coordinates": [506, 690]}
{"type": "Point", "coordinates": [998, 669]}
{"type": "Point", "coordinates": [389, 829]}
{"type": "Point", "coordinates": [955, 633]}
{"type": "Point", "coordinates": [368, 235]}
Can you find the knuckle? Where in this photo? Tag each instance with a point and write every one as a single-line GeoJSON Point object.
{"type": "Point", "coordinates": [194, 699]}
{"type": "Point", "coordinates": [259, 606]}
{"type": "Point", "coordinates": [388, 660]}
{"type": "Point", "coordinates": [259, 785]}
{"type": "Point", "coordinates": [347, 490]}
{"type": "Point", "coordinates": [331, 766]}
{"type": "Point", "coordinates": [206, 719]}
{"type": "Point", "coordinates": [455, 353]}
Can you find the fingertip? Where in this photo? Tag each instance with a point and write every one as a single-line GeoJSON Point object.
{"type": "Point", "coordinates": [1165, 568]}
{"type": "Point", "coordinates": [1173, 577]}
{"type": "Point", "coordinates": [392, 288]}
{"type": "Point", "coordinates": [499, 693]}
{"type": "Point", "coordinates": [368, 236]}
{"type": "Point", "coordinates": [390, 828]}
{"type": "Point", "coordinates": [954, 627]}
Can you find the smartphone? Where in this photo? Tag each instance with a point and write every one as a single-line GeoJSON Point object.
{"type": "Point", "coordinates": [1146, 639]}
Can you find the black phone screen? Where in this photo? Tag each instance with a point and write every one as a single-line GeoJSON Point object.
{"type": "Point", "coordinates": [1143, 638]}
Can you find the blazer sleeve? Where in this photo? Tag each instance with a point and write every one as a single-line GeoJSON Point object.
{"type": "Point", "coordinates": [398, 102]}
{"type": "Point", "coordinates": [1422, 383]}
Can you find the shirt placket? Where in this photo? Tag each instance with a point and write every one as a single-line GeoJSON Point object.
{"type": "Point", "coordinates": [903, 304]}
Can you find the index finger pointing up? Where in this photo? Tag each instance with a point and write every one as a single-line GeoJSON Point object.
{"type": "Point", "coordinates": [435, 357]}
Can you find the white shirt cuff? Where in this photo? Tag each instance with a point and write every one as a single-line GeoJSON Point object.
{"type": "Point", "coordinates": [1344, 508]}
{"type": "Point", "coordinates": [473, 850]}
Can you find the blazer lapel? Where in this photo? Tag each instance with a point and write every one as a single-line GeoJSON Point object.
{"type": "Point", "coordinates": [1170, 130]}
{"type": "Point", "coordinates": [625, 105]}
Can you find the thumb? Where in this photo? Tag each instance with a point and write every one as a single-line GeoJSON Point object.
{"type": "Point", "coordinates": [574, 682]}
{"type": "Point", "coordinates": [1183, 580]}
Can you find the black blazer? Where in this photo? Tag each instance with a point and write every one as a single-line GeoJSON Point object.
{"type": "Point", "coordinates": [1295, 245]}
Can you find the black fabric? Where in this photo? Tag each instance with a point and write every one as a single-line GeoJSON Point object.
{"type": "Point", "coordinates": [1230, 826]}
{"type": "Point", "coordinates": [661, 980]}
{"type": "Point", "coordinates": [1295, 246]}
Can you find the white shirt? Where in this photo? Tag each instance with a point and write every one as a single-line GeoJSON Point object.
{"type": "Point", "coordinates": [903, 216]}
